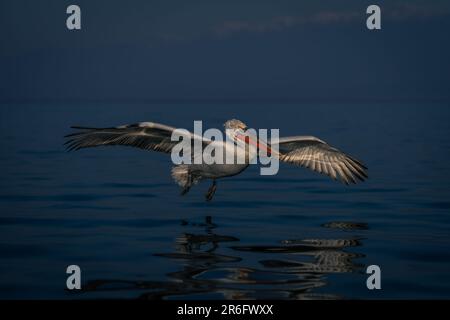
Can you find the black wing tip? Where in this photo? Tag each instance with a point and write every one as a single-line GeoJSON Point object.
{"type": "Point", "coordinates": [74, 135]}
{"type": "Point", "coordinates": [84, 128]}
{"type": "Point", "coordinates": [78, 133]}
{"type": "Point", "coordinates": [354, 175]}
{"type": "Point", "coordinates": [362, 165]}
{"type": "Point", "coordinates": [72, 143]}
{"type": "Point", "coordinates": [352, 180]}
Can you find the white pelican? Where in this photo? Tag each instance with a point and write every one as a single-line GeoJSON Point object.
{"type": "Point", "coordinates": [305, 151]}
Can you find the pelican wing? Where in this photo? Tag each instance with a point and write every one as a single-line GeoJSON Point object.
{"type": "Point", "coordinates": [317, 155]}
{"type": "Point", "coordinates": [144, 135]}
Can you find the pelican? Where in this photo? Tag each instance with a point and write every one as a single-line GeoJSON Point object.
{"type": "Point", "coordinates": [305, 151]}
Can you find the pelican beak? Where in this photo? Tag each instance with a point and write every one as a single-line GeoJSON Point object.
{"type": "Point", "coordinates": [257, 143]}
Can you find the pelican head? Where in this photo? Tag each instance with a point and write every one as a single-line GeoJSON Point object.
{"type": "Point", "coordinates": [234, 129]}
{"type": "Point", "coordinates": [235, 124]}
{"type": "Point", "coordinates": [239, 132]}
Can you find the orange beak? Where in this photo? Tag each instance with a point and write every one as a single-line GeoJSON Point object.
{"type": "Point", "coordinates": [258, 144]}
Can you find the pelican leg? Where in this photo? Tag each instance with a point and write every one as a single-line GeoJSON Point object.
{"type": "Point", "coordinates": [185, 190]}
{"type": "Point", "coordinates": [211, 191]}
{"type": "Point", "coordinates": [188, 186]}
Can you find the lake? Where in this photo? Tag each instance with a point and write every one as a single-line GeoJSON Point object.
{"type": "Point", "coordinates": [117, 213]}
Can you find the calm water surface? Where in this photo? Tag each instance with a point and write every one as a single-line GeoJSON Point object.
{"type": "Point", "coordinates": [117, 214]}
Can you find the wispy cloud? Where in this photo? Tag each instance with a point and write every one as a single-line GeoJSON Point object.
{"type": "Point", "coordinates": [283, 22]}
{"type": "Point", "coordinates": [278, 23]}
{"type": "Point", "coordinates": [414, 11]}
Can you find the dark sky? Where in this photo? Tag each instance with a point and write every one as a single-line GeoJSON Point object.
{"type": "Point", "coordinates": [133, 50]}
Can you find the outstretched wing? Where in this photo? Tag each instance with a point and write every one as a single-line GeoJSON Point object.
{"type": "Point", "coordinates": [144, 135]}
{"type": "Point", "coordinates": [317, 155]}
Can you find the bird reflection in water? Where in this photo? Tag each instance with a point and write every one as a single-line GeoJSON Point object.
{"type": "Point", "coordinates": [211, 267]}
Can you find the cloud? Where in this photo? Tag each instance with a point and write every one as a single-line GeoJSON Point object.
{"type": "Point", "coordinates": [283, 22]}
{"type": "Point", "coordinates": [399, 12]}
{"type": "Point", "coordinates": [414, 11]}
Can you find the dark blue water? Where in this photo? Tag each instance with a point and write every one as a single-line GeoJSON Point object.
{"type": "Point", "coordinates": [117, 214]}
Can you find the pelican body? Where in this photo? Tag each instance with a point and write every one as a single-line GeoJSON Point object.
{"type": "Point", "coordinates": [306, 151]}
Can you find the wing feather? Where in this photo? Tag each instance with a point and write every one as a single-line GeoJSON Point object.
{"type": "Point", "coordinates": [318, 156]}
{"type": "Point", "coordinates": [143, 135]}
{"type": "Point", "coordinates": [332, 172]}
